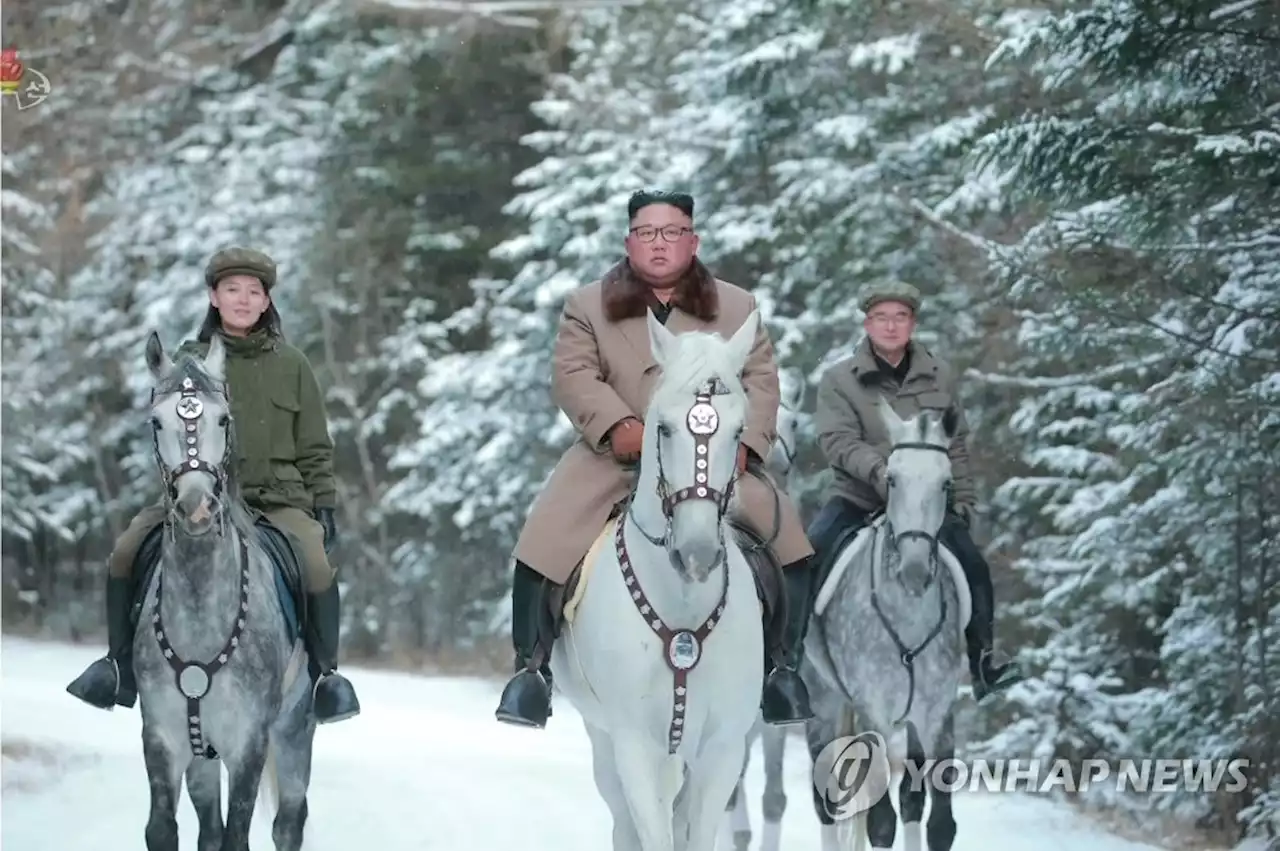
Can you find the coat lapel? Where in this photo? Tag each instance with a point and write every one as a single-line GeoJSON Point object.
{"type": "Point", "coordinates": [636, 333]}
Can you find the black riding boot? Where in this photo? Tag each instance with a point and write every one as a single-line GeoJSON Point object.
{"type": "Point", "coordinates": [526, 699]}
{"type": "Point", "coordinates": [989, 675]}
{"type": "Point", "coordinates": [785, 699]}
{"type": "Point", "coordinates": [109, 681]}
{"type": "Point", "coordinates": [334, 696]}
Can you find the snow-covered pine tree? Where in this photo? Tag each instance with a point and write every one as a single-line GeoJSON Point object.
{"type": "Point", "coordinates": [1151, 305]}
{"type": "Point", "coordinates": [488, 432]}
{"type": "Point", "coordinates": [428, 144]}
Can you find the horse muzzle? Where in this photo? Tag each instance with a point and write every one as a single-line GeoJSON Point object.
{"type": "Point", "coordinates": [697, 561]}
{"type": "Point", "coordinates": [197, 511]}
{"type": "Point", "coordinates": [917, 561]}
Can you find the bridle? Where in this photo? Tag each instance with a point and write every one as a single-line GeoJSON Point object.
{"type": "Point", "coordinates": [682, 648]}
{"type": "Point", "coordinates": [929, 538]}
{"type": "Point", "coordinates": [702, 421]}
{"type": "Point", "coordinates": [907, 655]}
{"type": "Point", "coordinates": [189, 409]}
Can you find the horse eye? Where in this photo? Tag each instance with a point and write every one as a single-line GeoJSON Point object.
{"type": "Point", "coordinates": [224, 420]}
{"type": "Point", "coordinates": [664, 430]}
{"type": "Point", "coordinates": [155, 423]}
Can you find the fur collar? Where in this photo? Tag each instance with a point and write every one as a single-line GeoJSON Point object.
{"type": "Point", "coordinates": [626, 296]}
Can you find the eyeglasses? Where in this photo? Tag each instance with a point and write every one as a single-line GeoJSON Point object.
{"type": "Point", "coordinates": [670, 233]}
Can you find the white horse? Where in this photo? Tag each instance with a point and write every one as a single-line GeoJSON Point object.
{"type": "Point", "coordinates": [737, 823]}
{"type": "Point", "coordinates": [663, 656]}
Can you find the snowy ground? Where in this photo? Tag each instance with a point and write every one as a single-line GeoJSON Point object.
{"type": "Point", "coordinates": [425, 767]}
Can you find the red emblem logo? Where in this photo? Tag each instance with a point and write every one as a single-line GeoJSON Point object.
{"type": "Point", "coordinates": [10, 71]}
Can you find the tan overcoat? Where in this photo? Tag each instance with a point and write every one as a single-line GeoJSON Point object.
{"type": "Point", "coordinates": [604, 372]}
{"type": "Point", "coordinates": [854, 439]}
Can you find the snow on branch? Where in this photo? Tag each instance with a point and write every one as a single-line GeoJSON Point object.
{"type": "Point", "coordinates": [502, 11]}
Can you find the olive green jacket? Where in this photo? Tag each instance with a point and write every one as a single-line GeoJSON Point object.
{"type": "Point", "coordinates": [855, 441]}
{"type": "Point", "coordinates": [284, 455]}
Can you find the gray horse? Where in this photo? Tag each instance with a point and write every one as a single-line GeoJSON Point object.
{"type": "Point", "coordinates": [885, 647]}
{"type": "Point", "coordinates": [780, 464]}
{"type": "Point", "coordinates": [220, 678]}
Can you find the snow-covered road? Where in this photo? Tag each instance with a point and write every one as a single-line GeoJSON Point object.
{"type": "Point", "coordinates": [423, 768]}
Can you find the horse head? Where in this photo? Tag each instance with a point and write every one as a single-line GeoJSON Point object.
{"type": "Point", "coordinates": [693, 428]}
{"type": "Point", "coordinates": [191, 433]}
{"type": "Point", "coordinates": [782, 455]}
{"type": "Point", "coordinates": [919, 479]}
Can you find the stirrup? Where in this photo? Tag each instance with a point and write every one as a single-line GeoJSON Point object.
{"type": "Point", "coordinates": [525, 701]}
{"type": "Point", "coordinates": [341, 695]}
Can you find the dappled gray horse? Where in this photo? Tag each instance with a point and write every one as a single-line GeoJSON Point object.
{"type": "Point", "coordinates": [737, 829]}
{"type": "Point", "coordinates": [220, 679]}
{"type": "Point", "coordinates": [885, 647]}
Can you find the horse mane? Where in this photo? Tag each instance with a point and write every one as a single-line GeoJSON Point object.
{"type": "Point", "coordinates": [701, 358]}
{"type": "Point", "coordinates": [190, 366]}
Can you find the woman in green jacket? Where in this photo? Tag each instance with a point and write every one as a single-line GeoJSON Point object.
{"type": "Point", "coordinates": [285, 468]}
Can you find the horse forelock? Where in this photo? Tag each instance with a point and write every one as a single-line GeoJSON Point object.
{"type": "Point", "coordinates": [188, 366]}
{"type": "Point", "coordinates": [699, 357]}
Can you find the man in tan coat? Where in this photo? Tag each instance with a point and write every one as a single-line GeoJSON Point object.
{"type": "Point", "coordinates": [856, 445]}
{"type": "Point", "coordinates": [604, 374]}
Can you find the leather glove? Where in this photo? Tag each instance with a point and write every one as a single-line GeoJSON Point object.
{"type": "Point", "coordinates": [325, 517]}
{"type": "Point", "coordinates": [626, 439]}
{"type": "Point", "coordinates": [742, 458]}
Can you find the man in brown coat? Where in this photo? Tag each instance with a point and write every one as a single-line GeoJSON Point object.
{"type": "Point", "coordinates": [856, 445]}
{"type": "Point", "coordinates": [604, 374]}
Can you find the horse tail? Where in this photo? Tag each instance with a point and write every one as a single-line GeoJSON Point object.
{"type": "Point", "coordinates": [269, 787]}
{"type": "Point", "coordinates": [847, 725]}
{"type": "Point", "coordinates": [860, 832]}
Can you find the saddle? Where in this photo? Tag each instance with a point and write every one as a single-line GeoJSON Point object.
{"type": "Point", "coordinates": [563, 600]}
{"type": "Point", "coordinates": [288, 573]}
{"type": "Point", "coordinates": [845, 539]}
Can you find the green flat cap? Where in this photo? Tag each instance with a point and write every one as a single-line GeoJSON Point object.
{"type": "Point", "coordinates": [890, 291]}
{"type": "Point", "coordinates": [240, 261]}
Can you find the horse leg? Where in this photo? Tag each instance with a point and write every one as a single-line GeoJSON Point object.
{"type": "Point", "coordinates": [774, 804]}
{"type": "Point", "coordinates": [738, 818]}
{"type": "Point", "coordinates": [712, 776]}
{"type": "Point", "coordinates": [820, 732]}
{"type": "Point", "coordinates": [164, 772]}
{"type": "Point", "coordinates": [911, 794]}
{"type": "Point", "coordinates": [204, 786]}
{"type": "Point", "coordinates": [288, 772]}
{"type": "Point", "coordinates": [244, 771]}
{"type": "Point", "coordinates": [941, 830]}
{"type": "Point", "coordinates": [648, 777]}
{"type": "Point", "coordinates": [605, 772]}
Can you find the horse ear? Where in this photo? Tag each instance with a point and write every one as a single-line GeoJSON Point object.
{"type": "Point", "coordinates": [157, 361]}
{"type": "Point", "coordinates": [661, 341]}
{"type": "Point", "coordinates": [950, 421]}
{"type": "Point", "coordinates": [792, 388]}
{"type": "Point", "coordinates": [215, 361]}
{"type": "Point", "coordinates": [744, 340]}
{"type": "Point", "coordinates": [892, 421]}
